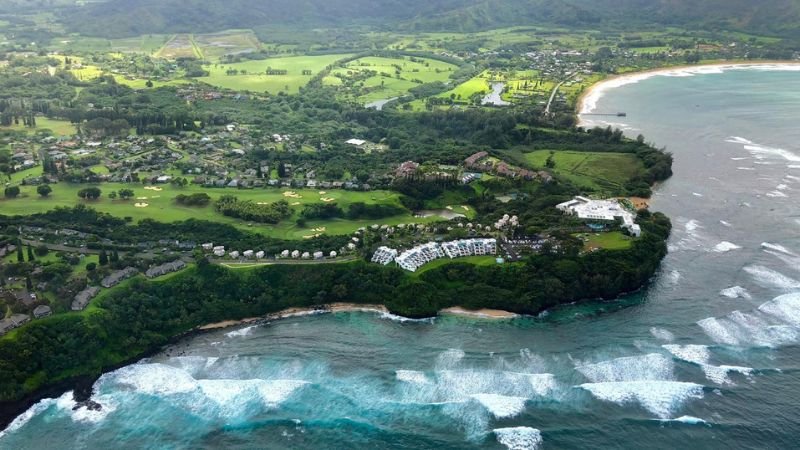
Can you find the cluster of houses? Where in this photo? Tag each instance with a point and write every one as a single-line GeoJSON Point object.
{"type": "Point", "coordinates": [165, 268]}
{"type": "Point", "coordinates": [17, 320]}
{"type": "Point", "coordinates": [601, 214]}
{"type": "Point", "coordinates": [480, 162]}
{"type": "Point", "coordinates": [220, 252]}
{"type": "Point", "coordinates": [420, 255]}
{"type": "Point", "coordinates": [118, 277]}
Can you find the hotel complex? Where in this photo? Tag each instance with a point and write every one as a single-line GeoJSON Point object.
{"type": "Point", "coordinates": [603, 212]}
{"type": "Point", "coordinates": [420, 255]}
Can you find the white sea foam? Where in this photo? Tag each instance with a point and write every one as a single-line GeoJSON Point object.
{"type": "Point", "coordinates": [396, 318]}
{"type": "Point", "coordinates": [660, 333]}
{"type": "Point", "coordinates": [725, 223]}
{"type": "Point", "coordinates": [519, 438]}
{"type": "Point", "coordinates": [763, 151]}
{"type": "Point", "coordinates": [725, 246]}
{"type": "Point", "coordinates": [233, 394]}
{"type": "Point", "coordinates": [718, 331]}
{"type": "Point", "coordinates": [449, 358]}
{"type": "Point", "coordinates": [689, 420]}
{"type": "Point", "coordinates": [20, 421]}
{"type": "Point", "coordinates": [501, 406]}
{"type": "Point", "coordinates": [777, 248]}
{"type": "Point", "coordinates": [674, 276]}
{"type": "Point", "coordinates": [785, 308]}
{"type": "Point", "coordinates": [192, 364]}
{"type": "Point", "coordinates": [738, 140]}
{"type": "Point", "coordinates": [241, 331]}
{"type": "Point", "coordinates": [772, 279]}
{"type": "Point", "coordinates": [782, 187]}
{"type": "Point", "coordinates": [692, 225]}
{"type": "Point", "coordinates": [738, 159]}
{"type": "Point", "coordinates": [412, 376]}
{"type": "Point", "coordinates": [698, 354]}
{"type": "Point", "coordinates": [719, 374]}
{"type": "Point", "coordinates": [155, 379]}
{"type": "Point", "coordinates": [659, 397]}
{"type": "Point", "coordinates": [745, 168]}
{"type": "Point", "coordinates": [776, 194]}
{"type": "Point", "coordinates": [652, 366]}
{"type": "Point", "coordinates": [696, 194]}
{"type": "Point", "coordinates": [735, 292]}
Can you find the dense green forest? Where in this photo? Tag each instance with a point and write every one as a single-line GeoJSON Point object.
{"type": "Point", "coordinates": [116, 18]}
{"type": "Point", "coordinates": [141, 316]}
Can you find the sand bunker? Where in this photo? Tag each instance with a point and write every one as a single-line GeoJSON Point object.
{"type": "Point", "coordinates": [295, 203]}
{"type": "Point", "coordinates": [141, 198]}
{"type": "Point", "coordinates": [322, 192]}
{"type": "Point", "coordinates": [153, 188]}
{"type": "Point", "coordinates": [292, 194]}
{"type": "Point", "coordinates": [311, 236]}
{"type": "Point", "coordinates": [320, 229]}
{"type": "Point", "coordinates": [327, 199]}
{"type": "Point", "coordinates": [466, 208]}
{"type": "Point", "coordinates": [449, 207]}
{"type": "Point", "coordinates": [141, 205]}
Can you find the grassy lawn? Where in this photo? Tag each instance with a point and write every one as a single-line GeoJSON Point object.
{"type": "Point", "coordinates": [474, 260]}
{"type": "Point", "coordinates": [255, 79]}
{"type": "Point", "coordinates": [58, 127]}
{"type": "Point", "coordinates": [595, 171]}
{"type": "Point", "coordinates": [387, 83]}
{"type": "Point", "coordinates": [612, 240]}
{"type": "Point", "coordinates": [161, 207]}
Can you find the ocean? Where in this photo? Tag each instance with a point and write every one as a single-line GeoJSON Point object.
{"type": "Point", "coordinates": [705, 357]}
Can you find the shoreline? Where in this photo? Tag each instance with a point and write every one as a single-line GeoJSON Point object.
{"type": "Point", "coordinates": [594, 92]}
{"type": "Point", "coordinates": [288, 313]}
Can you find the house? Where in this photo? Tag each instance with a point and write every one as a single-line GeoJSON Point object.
{"type": "Point", "coordinates": [234, 254]}
{"type": "Point", "coordinates": [333, 254]}
{"type": "Point", "coordinates": [406, 169]}
{"type": "Point", "coordinates": [248, 254]}
{"type": "Point", "coordinates": [319, 255]}
{"type": "Point", "coordinates": [83, 297]}
{"type": "Point", "coordinates": [473, 159]}
{"type": "Point", "coordinates": [208, 246]}
{"type": "Point", "coordinates": [42, 311]}
{"type": "Point", "coordinates": [306, 255]}
{"type": "Point", "coordinates": [356, 142]}
{"type": "Point", "coordinates": [296, 254]}
{"type": "Point", "coordinates": [260, 254]}
{"type": "Point", "coordinates": [16, 320]}
{"type": "Point", "coordinates": [118, 276]}
{"type": "Point", "coordinates": [164, 269]}
{"type": "Point", "coordinates": [285, 254]}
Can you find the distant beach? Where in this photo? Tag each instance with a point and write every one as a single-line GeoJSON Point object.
{"type": "Point", "coordinates": [587, 102]}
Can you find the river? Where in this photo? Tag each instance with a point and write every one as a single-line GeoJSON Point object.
{"type": "Point", "coordinates": [706, 357]}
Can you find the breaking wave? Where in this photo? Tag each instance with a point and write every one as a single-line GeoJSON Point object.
{"type": "Point", "coordinates": [725, 246]}
{"type": "Point", "coordinates": [735, 292]}
{"type": "Point", "coordinates": [660, 398]}
{"type": "Point", "coordinates": [772, 279]}
{"type": "Point", "coordinates": [519, 438]}
{"type": "Point", "coordinates": [241, 331]}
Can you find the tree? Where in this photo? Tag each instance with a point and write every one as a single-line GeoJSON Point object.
{"type": "Point", "coordinates": [103, 259]}
{"type": "Point", "coordinates": [20, 255]}
{"type": "Point", "coordinates": [30, 254]}
{"type": "Point", "coordinates": [91, 267]}
{"type": "Point", "coordinates": [28, 283]}
{"type": "Point", "coordinates": [90, 193]}
{"type": "Point", "coordinates": [44, 190]}
{"type": "Point", "coordinates": [114, 256]}
{"type": "Point", "coordinates": [42, 250]}
{"type": "Point", "coordinates": [12, 191]}
{"type": "Point", "coordinates": [126, 193]}
{"type": "Point", "coordinates": [149, 84]}
{"type": "Point", "coordinates": [112, 195]}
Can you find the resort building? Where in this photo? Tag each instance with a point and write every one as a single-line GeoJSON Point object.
{"type": "Point", "coordinates": [384, 255]}
{"type": "Point", "coordinates": [420, 255]}
{"type": "Point", "coordinates": [164, 269]}
{"type": "Point", "coordinates": [601, 212]}
{"type": "Point", "coordinates": [84, 297]}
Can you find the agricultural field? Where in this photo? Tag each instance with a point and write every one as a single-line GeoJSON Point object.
{"type": "Point", "coordinates": [75, 44]}
{"type": "Point", "coordinates": [375, 78]}
{"type": "Point", "coordinates": [251, 75]}
{"type": "Point", "coordinates": [180, 46]}
{"type": "Point", "coordinates": [232, 42]}
{"type": "Point", "coordinates": [600, 172]}
{"type": "Point", "coordinates": [160, 206]}
{"type": "Point", "coordinates": [58, 127]}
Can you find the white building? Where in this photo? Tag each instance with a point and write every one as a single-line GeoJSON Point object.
{"type": "Point", "coordinates": [208, 246]}
{"type": "Point", "coordinates": [601, 211]}
{"type": "Point", "coordinates": [285, 254]}
{"type": "Point", "coordinates": [306, 255]}
{"type": "Point", "coordinates": [296, 254]}
{"type": "Point", "coordinates": [384, 255]}
{"type": "Point", "coordinates": [319, 255]}
{"type": "Point", "coordinates": [334, 254]}
{"type": "Point", "coordinates": [248, 254]}
{"type": "Point", "coordinates": [234, 254]}
{"type": "Point", "coordinates": [260, 254]}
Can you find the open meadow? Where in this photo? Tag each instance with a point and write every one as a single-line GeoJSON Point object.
{"type": "Point", "coordinates": [251, 75]}
{"type": "Point", "coordinates": [594, 171]}
{"type": "Point", "coordinates": [161, 206]}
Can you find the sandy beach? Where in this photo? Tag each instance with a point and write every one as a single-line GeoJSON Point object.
{"type": "Point", "coordinates": [587, 102]}
{"type": "Point", "coordinates": [479, 313]}
{"type": "Point", "coordinates": [353, 307]}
